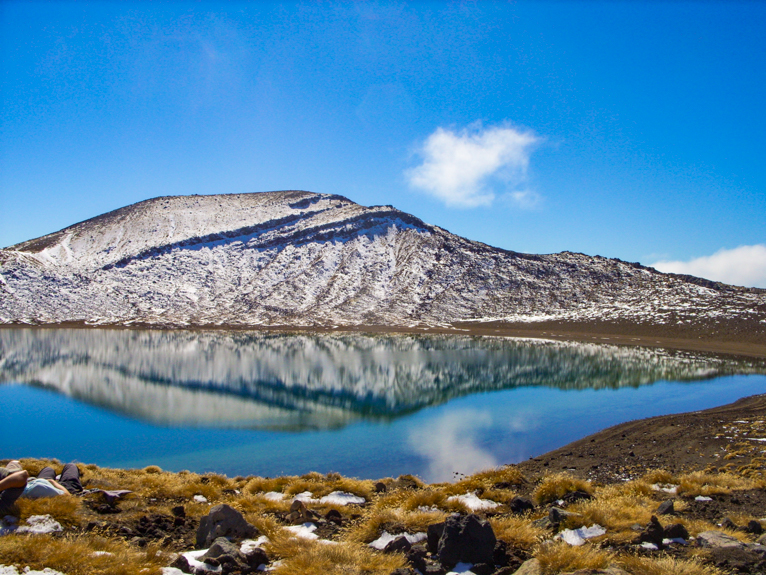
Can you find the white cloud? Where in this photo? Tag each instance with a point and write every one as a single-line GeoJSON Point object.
{"type": "Point", "coordinates": [450, 444]}
{"type": "Point", "coordinates": [743, 266]}
{"type": "Point", "coordinates": [457, 166]}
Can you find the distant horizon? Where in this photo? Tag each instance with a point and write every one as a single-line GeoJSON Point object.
{"type": "Point", "coordinates": [627, 130]}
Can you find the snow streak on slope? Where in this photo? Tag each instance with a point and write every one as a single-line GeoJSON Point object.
{"type": "Point", "coordinates": [297, 258]}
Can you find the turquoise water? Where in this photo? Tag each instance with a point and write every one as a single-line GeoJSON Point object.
{"type": "Point", "coordinates": [366, 406]}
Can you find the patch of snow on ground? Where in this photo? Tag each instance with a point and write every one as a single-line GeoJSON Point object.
{"type": "Point", "coordinates": [305, 531]}
{"type": "Point", "coordinates": [250, 545]}
{"type": "Point", "coordinates": [39, 524]}
{"type": "Point", "coordinates": [667, 488]}
{"type": "Point", "coordinates": [386, 538]}
{"type": "Point", "coordinates": [703, 498]}
{"type": "Point", "coordinates": [473, 502]}
{"type": "Point", "coordinates": [193, 558]}
{"type": "Point", "coordinates": [200, 499]}
{"type": "Point", "coordinates": [341, 498]}
{"type": "Point", "coordinates": [579, 536]}
{"type": "Point", "coordinates": [274, 496]}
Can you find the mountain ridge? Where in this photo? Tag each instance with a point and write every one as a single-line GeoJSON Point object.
{"type": "Point", "coordinates": [305, 259]}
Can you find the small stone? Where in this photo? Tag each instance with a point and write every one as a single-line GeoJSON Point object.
{"type": "Point", "coordinates": [223, 521]}
{"type": "Point", "coordinates": [729, 524]}
{"type": "Point", "coordinates": [380, 487]}
{"type": "Point", "coordinates": [334, 516]}
{"type": "Point", "coordinates": [654, 533]}
{"type": "Point", "coordinates": [754, 527]}
{"type": "Point", "coordinates": [398, 545]}
{"type": "Point", "coordinates": [179, 511]}
{"type": "Point", "coordinates": [520, 505]}
{"type": "Point", "coordinates": [530, 567]}
{"type": "Point", "coordinates": [666, 508]}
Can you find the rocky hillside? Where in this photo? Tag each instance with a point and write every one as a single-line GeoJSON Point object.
{"type": "Point", "coordinates": [302, 259]}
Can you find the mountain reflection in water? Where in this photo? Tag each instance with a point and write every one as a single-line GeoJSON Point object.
{"type": "Point", "coordinates": [297, 382]}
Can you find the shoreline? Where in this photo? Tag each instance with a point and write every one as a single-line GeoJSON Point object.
{"type": "Point", "coordinates": [699, 339]}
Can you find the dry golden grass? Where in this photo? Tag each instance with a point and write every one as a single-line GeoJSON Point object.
{"type": "Point", "coordinates": [317, 558]}
{"type": "Point", "coordinates": [666, 566]}
{"type": "Point", "coordinates": [517, 531]}
{"type": "Point", "coordinates": [702, 483]}
{"type": "Point", "coordinates": [76, 556]}
{"type": "Point", "coordinates": [555, 486]}
{"type": "Point", "coordinates": [558, 557]}
{"type": "Point", "coordinates": [614, 507]}
{"type": "Point", "coordinates": [65, 510]}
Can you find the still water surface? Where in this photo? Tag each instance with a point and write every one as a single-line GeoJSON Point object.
{"type": "Point", "coordinates": [368, 406]}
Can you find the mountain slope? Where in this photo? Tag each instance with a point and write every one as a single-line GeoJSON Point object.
{"type": "Point", "coordinates": [303, 259]}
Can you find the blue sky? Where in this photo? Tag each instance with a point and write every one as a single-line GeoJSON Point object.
{"type": "Point", "coordinates": [631, 130]}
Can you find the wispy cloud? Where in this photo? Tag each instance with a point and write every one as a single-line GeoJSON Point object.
{"type": "Point", "coordinates": [743, 266]}
{"type": "Point", "coordinates": [457, 166]}
{"type": "Point", "coordinates": [450, 444]}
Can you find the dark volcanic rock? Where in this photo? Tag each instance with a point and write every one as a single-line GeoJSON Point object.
{"type": "Point", "coordinates": [466, 538]}
{"type": "Point", "coordinates": [223, 521]}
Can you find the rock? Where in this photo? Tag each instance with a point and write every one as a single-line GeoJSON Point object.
{"type": "Point", "coordinates": [557, 515]}
{"type": "Point", "coordinates": [183, 564]}
{"type": "Point", "coordinates": [179, 511]}
{"type": "Point", "coordinates": [223, 521]}
{"type": "Point", "coordinates": [530, 567]}
{"type": "Point", "coordinates": [575, 496]}
{"type": "Point", "coordinates": [434, 569]}
{"type": "Point", "coordinates": [654, 533]}
{"type": "Point", "coordinates": [675, 531]}
{"type": "Point", "coordinates": [380, 487]}
{"type": "Point", "coordinates": [483, 569]}
{"type": "Point", "coordinates": [754, 527]}
{"type": "Point", "coordinates": [718, 539]}
{"type": "Point", "coordinates": [729, 524]}
{"type": "Point", "coordinates": [434, 534]}
{"type": "Point", "coordinates": [398, 545]}
{"type": "Point", "coordinates": [334, 516]}
{"type": "Point", "coordinates": [500, 555]}
{"type": "Point", "coordinates": [520, 505]}
{"type": "Point", "coordinates": [417, 557]}
{"type": "Point", "coordinates": [761, 540]}
{"type": "Point", "coordinates": [402, 571]}
{"type": "Point", "coordinates": [466, 538]}
{"type": "Point", "coordinates": [666, 508]}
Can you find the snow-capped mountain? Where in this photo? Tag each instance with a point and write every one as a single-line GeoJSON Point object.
{"type": "Point", "coordinates": [303, 259]}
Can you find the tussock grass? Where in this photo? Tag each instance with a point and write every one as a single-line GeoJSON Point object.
{"type": "Point", "coordinates": [702, 483]}
{"type": "Point", "coordinates": [666, 566]}
{"type": "Point", "coordinates": [558, 557]}
{"type": "Point", "coordinates": [65, 510]}
{"type": "Point", "coordinates": [76, 557]}
{"type": "Point", "coordinates": [316, 558]}
{"type": "Point", "coordinates": [615, 507]}
{"type": "Point", "coordinates": [517, 531]}
{"type": "Point", "coordinates": [555, 486]}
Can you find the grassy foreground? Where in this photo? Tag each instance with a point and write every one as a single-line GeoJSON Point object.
{"type": "Point", "coordinates": [405, 505]}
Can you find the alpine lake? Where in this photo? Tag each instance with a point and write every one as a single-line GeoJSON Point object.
{"type": "Point", "coordinates": [369, 406]}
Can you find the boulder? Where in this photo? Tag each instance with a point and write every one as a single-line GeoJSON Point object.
{"type": "Point", "coordinates": [468, 539]}
{"type": "Point", "coordinates": [223, 521]}
{"type": "Point", "coordinates": [719, 539]}
{"type": "Point", "coordinates": [557, 515]}
{"type": "Point", "coordinates": [754, 527]}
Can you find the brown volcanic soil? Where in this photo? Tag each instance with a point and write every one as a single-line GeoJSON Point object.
{"type": "Point", "coordinates": [721, 438]}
